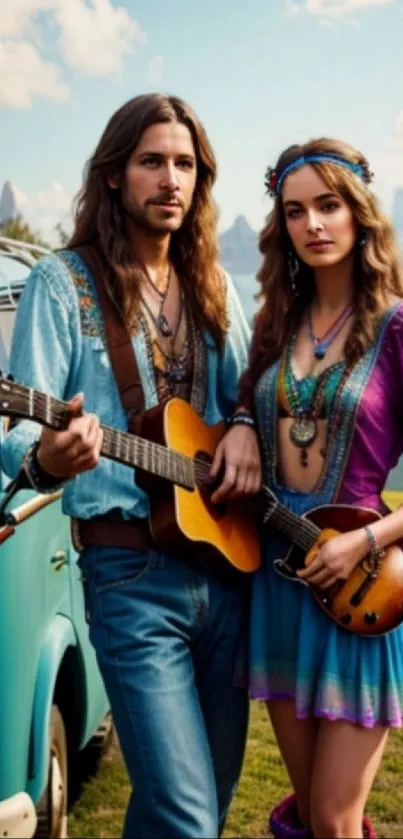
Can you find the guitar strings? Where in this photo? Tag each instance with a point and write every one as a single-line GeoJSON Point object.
{"type": "Point", "coordinates": [41, 402]}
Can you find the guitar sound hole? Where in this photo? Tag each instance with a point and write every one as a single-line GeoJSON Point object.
{"type": "Point", "coordinates": [216, 511]}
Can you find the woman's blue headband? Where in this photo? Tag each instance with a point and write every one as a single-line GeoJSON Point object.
{"type": "Point", "coordinates": [274, 181]}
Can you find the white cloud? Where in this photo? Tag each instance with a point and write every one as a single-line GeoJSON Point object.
{"type": "Point", "coordinates": [338, 8]}
{"type": "Point", "coordinates": [56, 198]}
{"type": "Point", "coordinates": [25, 75]}
{"type": "Point", "coordinates": [48, 208]}
{"type": "Point", "coordinates": [93, 37]}
{"type": "Point", "coordinates": [155, 69]}
{"type": "Point", "coordinates": [17, 16]}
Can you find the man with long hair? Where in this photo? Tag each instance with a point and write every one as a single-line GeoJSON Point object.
{"type": "Point", "coordinates": [165, 628]}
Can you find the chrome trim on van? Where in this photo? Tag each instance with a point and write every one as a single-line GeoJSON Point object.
{"type": "Point", "coordinates": [29, 508]}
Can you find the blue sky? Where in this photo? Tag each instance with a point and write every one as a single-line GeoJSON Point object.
{"type": "Point", "coordinates": [261, 75]}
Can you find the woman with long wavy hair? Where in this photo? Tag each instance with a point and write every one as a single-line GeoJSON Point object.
{"type": "Point", "coordinates": [326, 383]}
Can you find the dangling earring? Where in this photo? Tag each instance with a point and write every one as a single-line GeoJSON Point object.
{"type": "Point", "coordinates": [362, 241]}
{"type": "Point", "coordinates": [293, 268]}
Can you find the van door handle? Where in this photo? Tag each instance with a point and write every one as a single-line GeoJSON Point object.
{"type": "Point", "coordinates": [59, 559]}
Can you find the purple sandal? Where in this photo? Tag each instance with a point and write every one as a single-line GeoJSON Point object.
{"type": "Point", "coordinates": [285, 823]}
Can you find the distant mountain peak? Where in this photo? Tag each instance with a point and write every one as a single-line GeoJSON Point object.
{"type": "Point", "coordinates": [11, 199]}
{"type": "Point", "coordinates": [241, 221]}
{"type": "Point", "coordinates": [239, 248]}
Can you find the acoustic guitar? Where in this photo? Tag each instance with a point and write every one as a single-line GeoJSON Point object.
{"type": "Point", "coordinates": [370, 601]}
{"type": "Point", "coordinates": [172, 456]}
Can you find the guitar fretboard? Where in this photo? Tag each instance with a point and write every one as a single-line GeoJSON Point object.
{"type": "Point", "coordinates": [152, 457]}
{"type": "Point", "coordinates": [117, 445]}
{"type": "Point", "coordinates": [302, 531]}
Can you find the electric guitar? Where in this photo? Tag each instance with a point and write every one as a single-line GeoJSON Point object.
{"type": "Point", "coordinates": [370, 601]}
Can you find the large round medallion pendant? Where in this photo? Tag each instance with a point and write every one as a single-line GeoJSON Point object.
{"type": "Point", "coordinates": [303, 432]}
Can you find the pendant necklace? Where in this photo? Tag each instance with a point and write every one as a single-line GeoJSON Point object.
{"type": "Point", "coordinates": [176, 368]}
{"type": "Point", "coordinates": [304, 429]}
{"type": "Point", "coordinates": [321, 345]}
{"type": "Point", "coordinates": [160, 320]}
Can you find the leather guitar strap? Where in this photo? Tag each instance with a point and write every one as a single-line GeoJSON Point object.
{"type": "Point", "coordinates": [120, 348]}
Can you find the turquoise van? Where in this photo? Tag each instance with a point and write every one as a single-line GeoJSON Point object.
{"type": "Point", "coordinates": [52, 701]}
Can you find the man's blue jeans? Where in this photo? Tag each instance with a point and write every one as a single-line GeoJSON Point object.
{"type": "Point", "coordinates": [167, 635]}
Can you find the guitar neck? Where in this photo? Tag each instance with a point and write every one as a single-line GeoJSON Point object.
{"type": "Point", "coordinates": [118, 446]}
{"type": "Point", "coordinates": [302, 532]}
{"type": "Point", "coordinates": [152, 457]}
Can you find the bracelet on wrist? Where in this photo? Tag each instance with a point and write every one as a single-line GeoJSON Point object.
{"type": "Point", "coordinates": [372, 541]}
{"type": "Point", "coordinates": [39, 479]}
{"type": "Point", "coordinates": [376, 553]}
{"type": "Point", "coordinates": [240, 418]}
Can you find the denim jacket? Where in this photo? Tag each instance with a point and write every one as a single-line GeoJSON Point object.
{"type": "Point", "coordinates": [58, 347]}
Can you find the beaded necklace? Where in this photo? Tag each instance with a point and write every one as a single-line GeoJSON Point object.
{"type": "Point", "coordinates": [306, 412]}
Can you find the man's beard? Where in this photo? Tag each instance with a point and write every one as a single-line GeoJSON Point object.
{"type": "Point", "coordinates": [138, 216]}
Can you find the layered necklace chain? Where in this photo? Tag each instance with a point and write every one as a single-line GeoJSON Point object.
{"type": "Point", "coordinates": [321, 345]}
{"type": "Point", "coordinates": [303, 430]}
{"type": "Point", "coordinates": [175, 365]}
{"type": "Point", "coordinates": [304, 427]}
{"type": "Point", "coordinates": [160, 321]}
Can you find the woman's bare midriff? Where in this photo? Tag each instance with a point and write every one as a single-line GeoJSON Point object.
{"type": "Point", "coordinates": [291, 472]}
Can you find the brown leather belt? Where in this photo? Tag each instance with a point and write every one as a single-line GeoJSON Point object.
{"type": "Point", "coordinates": [112, 532]}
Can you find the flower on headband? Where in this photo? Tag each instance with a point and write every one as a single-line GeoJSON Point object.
{"type": "Point", "coordinates": [367, 175]}
{"type": "Point", "coordinates": [270, 181]}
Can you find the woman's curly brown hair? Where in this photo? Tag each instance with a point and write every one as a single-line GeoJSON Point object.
{"type": "Point", "coordinates": [378, 270]}
{"type": "Point", "coordinates": [100, 217]}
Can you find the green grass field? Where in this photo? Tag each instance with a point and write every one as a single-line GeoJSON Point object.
{"type": "Point", "coordinates": [100, 809]}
